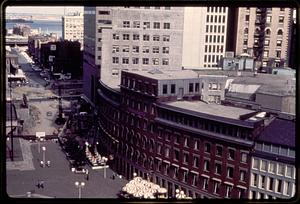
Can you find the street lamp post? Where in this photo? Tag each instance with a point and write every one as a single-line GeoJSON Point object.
{"type": "Point", "coordinates": [79, 186]}
{"type": "Point", "coordinates": [39, 144]}
{"type": "Point", "coordinates": [44, 155]}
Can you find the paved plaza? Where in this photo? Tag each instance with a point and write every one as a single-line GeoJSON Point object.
{"type": "Point", "coordinates": [59, 180]}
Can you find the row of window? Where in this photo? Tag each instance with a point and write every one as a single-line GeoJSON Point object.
{"type": "Point", "coordinates": [271, 184]}
{"type": "Point", "coordinates": [136, 49]}
{"type": "Point", "coordinates": [273, 168]}
{"type": "Point", "coordinates": [267, 32]}
{"type": "Point", "coordinates": [213, 48]}
{"type": "Point", "coordinates": [268, 19]}
{"type": "Point", "coordinates": [148, 7]}
{"type": "Point", "coordinates": [213, 58]}
{"type": "Point", "coordinates": [145, 61]}
{"type": "Point", "coordinates": [208, 125]}
{"type": "Point", "coordinates": [215, 19]}
{"type": "Point", "coordinates": [215, 29]}
{"type": "Point", "coordinates": [146, 25]}
{"type": "Point", "coordinates": [216, 9]}
{"type": "Point", "coordinates": [146, 37]}
{"type": "Point", "coordinates": [214, 39]}
{"type": "Point", "coordinates": [275, 149]}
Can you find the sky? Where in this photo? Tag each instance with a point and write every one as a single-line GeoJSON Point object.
{"type": "Point", "coordinates": [43, 9]}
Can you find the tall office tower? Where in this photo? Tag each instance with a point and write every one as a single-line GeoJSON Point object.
{"type": "Point", "coordinates": [72, 27]}
{"type": "Point", "coordinates": [204, 36]}
{"type": "Point", "coordinates": [266, 33]}
{"type": "Point", "coordinates": [130, 38]}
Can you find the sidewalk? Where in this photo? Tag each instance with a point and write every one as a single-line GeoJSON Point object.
{"type": "Point", "coordinates": [58, 179]}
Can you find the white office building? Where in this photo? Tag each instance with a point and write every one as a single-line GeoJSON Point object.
{"type": "Point", "coordinates": [72, 27]}
{"type": "Point", "coordinates": [204, 37]}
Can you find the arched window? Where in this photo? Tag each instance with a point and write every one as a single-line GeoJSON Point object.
{"type": "Point", "coordinates": [257, 30]}
{"type": "Point", "coordinates": [246, 31]}
{"type": "Point", "coordinates": [268, 31]}
{"type": "Point", "coordinates": [279, 32]}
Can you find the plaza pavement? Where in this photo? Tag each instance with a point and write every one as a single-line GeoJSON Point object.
{"type": "Point", "coordinates": [58, 179]}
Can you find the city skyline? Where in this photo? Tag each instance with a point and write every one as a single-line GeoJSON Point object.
{"type": "Point", "coordinates": [51, 10]}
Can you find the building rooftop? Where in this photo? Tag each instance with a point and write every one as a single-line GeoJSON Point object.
{"type": "Point", "coordinates": [280, 132]}
{"type": "Point", "coordinates": [166, 75]}
{"type": "Point", "coordinates": [211, 109]}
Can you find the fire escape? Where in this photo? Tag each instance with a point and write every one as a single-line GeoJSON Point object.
{"type": "Point", "coordinates": [259, 34]}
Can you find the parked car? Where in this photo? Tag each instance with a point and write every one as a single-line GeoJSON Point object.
{"type": "Point", "coordinates": [78, 170]}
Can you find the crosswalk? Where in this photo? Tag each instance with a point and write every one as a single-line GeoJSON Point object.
{"type": "Point", "coordinates": [27, 163]}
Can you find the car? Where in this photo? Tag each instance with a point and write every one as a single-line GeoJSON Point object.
{"type": "Point", "coordinates": [78, 170]}
{"type": "Point", "coordinates": [49, 113]}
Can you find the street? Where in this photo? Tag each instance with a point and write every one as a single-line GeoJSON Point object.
{"type": "Point", "coordinates": [25, 171]}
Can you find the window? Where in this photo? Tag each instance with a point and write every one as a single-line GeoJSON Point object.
{"type": "Point", "coordinates": [167, 25]}
{"type": "Point", "coordinates": [255, 164]}
{"type": "Point", "coordinates": [165, 89]}
{"type": "Point", "coordinates": [173, 86]}
{"type": "Point", "coordinates": [289, 171]}
{"type": "Point", "coordinates": [205, 184]}
{"type": "Point", "coordinates": [279, 43]}
{"type": "Point", "coordinates": [263, 165]}
{"type": "Point", "coordinates": [279, 185]}
{"type": "Point", "coordinates": [245, 42]}
{"type": "Point", "coordinates": [219, 151]}
{"type": "Point", "coordinates": [165, 50]}
{"type": "Point", "coordinates": [279, 32]}
{"type": "Point", "coordinates": [125, 48]}
{"type": "Point", "coordinates": [155, 61]}
{"type": "Point", "coordinates": [269, 19]}
{"type": "Point", "coordinates": [242, 175]}
{"type": "Point", "coordinates": [158, 150]}
{"type": "Point", "coordinates": [206, 165]}
{"type": "Point", "coordinates": [146, 25]}
{"type": "Point", "coordinates": [115, 48]}
{"type": "Point", "coordinates": [268, 32]}
{"type": "Point", "coordinates": [191, 87]}
{"type": "Point", "coordinates": [165, 61]}
{"type": "Point", "coordinates": [196, 162]}
{"type": "Point", "coordinates": [281, 19]}
{"type": "Point", "coordinates": [166, 38]}
{"type": "Point", "coordinates": [125, 60]}
{"type": "Point", "coordinates": [145, 60]}
{"type": "Point", "coordinates": [228, 191]}
{"type": "Point", "coordinates": [156, 25]}
{"type": "Point", "coordinates": [176, 154]}
{"type": "Point", "coordinates": [267, 42]}
{"type": "Point", "coordinates": [145, 49]}
{"type": "Point", "coordinates": [135, 49]}
{"type": "Point", "coordinates": [218, 168]}
{"type": "Point", "coordinates": [155, 37]}
{"type": "Point", "coordinates": [216, 187]}
{"type": "Point", "coordinates": [254, 180]}
{"type": "Point", "coordinates": [126, 24]}
{"type": "Point", "coordinates": [135, 60]}
{"type": "Point", "coordinates": [104, 12]}
{"type": "Point", "coordinates": [167, 152]}
{"type": "Point", "coordinates": [271, 183]}
{"type": "Point", "coordinates": [229, 172]}
{"type": "Point", "coordinates": [185, 158]}
{"type": "Point", "coordinates": [136, 24]}
{"type": "Point", "coordinates": [116, 36]}
{"type": "Point", "coordinates": [263, 181]}
{"type": "Point", "coordinates": [266, 53]}
{"type": "Point", "coordinates": [146, 37]}
{"type": "Point", "coordinates": [272, 167]}
{"type": "Point", "coordinates": [186, 141]}
{"type": "Point", "coordinates": [231, 153]}
{"type": "Point", "coordinates": [244, 157]}
{"type": "Point", "coordinates": [197, 145]}
{"type": "Point", "coordinates": [136, 37]}
{"type": "Point", "coordinates": [280, 169]}
{"type": "Point", "coordinates": [207, 147]}
{"type": "Point", "coordinates": [115, 60]}
{"type": "Point", "coordinates": [278, 53]}
{"type": "Point", "coordinates": [155, 50]}
{"type": "Point", "coordinates": [125, 36]}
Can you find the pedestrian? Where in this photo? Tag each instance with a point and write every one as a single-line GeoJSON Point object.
{"type": "Point", "coordinates": [42, 184]}
{"type": "Point", "coordinates": [87, 175]}
{"type": "Point", "coordinates": [38, 184]}
{"type": "Point", "coordinates": [113, 176]}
